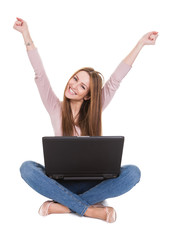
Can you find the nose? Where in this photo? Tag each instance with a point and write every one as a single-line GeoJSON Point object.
{"type": "Point", "coordinates": [75, 86]}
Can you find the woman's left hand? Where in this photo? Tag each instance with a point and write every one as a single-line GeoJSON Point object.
{"type": "Point", "coordinates": [149, 38]}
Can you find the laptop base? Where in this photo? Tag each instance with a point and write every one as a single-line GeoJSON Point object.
{"type": "Point", "coordinates": [63, 177]}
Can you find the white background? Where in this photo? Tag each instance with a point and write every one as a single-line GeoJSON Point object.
{"type": "Point", "coordinates": [70, 35]}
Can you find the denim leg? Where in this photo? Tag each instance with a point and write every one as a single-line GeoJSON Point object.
{"type": "Point", "coordinates": [129, 177]}
{"type": "Point", "coordinates": [34, 175]}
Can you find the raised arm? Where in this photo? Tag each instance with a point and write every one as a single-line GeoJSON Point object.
{"type": "Point", "coordinates": [123, 68]}
{"type": "Point", "coordinates": [148, 39]}
{"type": "Point", "coordinates": [49, 99]}
{"type": "Point", "coordinates": [22, 27]}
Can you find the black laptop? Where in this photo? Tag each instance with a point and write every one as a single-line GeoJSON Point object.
{"type": "Point", "coordinates": [83, 158]}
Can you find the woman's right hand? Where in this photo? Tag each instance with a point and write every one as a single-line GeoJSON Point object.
{"type": "Point", "coordinates": [21, 26]}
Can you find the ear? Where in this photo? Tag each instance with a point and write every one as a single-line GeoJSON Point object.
{"type": "Point", "coordinates": [87, 98]}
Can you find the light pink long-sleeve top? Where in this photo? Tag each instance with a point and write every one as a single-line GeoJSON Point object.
{"type": "Point", "coordinates": [51, 101]}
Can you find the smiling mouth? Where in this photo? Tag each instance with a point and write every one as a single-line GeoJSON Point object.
{"type": "Point", "coordinates": [72, 92]}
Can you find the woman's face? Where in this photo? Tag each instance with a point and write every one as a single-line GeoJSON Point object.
{"type": "Point", "coordinates": [78, 86]}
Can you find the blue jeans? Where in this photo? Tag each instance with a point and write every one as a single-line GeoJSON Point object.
{"type": "Point", "coordinates": [78, 195]}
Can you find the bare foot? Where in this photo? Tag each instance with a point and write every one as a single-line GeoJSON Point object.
{"type": "Point", "coordinates": [107, 214]}
{"type": "Point", "coordinates": [50, 207]}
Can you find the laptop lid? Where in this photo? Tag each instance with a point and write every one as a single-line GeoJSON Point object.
{"type": "Point", "coordinates": [83, 158]}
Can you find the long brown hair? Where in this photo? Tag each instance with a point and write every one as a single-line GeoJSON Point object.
{"type": "Point", "coordinates": [89, 120]}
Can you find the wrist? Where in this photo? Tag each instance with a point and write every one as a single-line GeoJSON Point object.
{"type": "Point", "coordinates": [27, 38]}
{"type": "Point", "coordinates": [28, 43]}
{"type": "Point", "coordinates": [25, 33]}
{"type": "Point", "coordinates": [140, 43]}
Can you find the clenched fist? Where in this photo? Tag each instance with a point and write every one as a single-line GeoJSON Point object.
{"type": "Point", "coordinates": [20, 25]}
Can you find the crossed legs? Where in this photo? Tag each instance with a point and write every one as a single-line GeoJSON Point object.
{"type": "Point", "coordinates": [78, 196]}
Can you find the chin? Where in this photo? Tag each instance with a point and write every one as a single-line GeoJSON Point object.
{"type": "Point", "coordinates": [69, 96]}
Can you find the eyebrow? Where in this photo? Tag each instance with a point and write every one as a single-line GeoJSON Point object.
{"type": "Point", "coordinates": [81, 82]}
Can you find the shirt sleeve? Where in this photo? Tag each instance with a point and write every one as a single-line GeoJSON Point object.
{"type": "Point", "coordinates": [113, 83]}
{"type": "Point", "coordinates": [49, 99]}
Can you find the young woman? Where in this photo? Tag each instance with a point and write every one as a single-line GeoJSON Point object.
{"type": "Point", "coordinates": [79, 114]}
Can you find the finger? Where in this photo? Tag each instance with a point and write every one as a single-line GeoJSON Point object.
{"type": "Point", "coordinates": [154, 36]}
{"type": "Point", "coordinates": [154, 40]}
{"type": "Point", "coordinates": [20, 19]}
{"type": "Point", "coordinates": [151, 37]}
{"type": "Point", "coordinates": [151, 33]}
{"type": "Point", "coordinates": [155, 33]}
{"type": "Point", "coordinates": [18, 23]}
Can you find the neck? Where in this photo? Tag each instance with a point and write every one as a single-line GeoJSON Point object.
{"type": "Point", "coordinates": [75, 107]}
